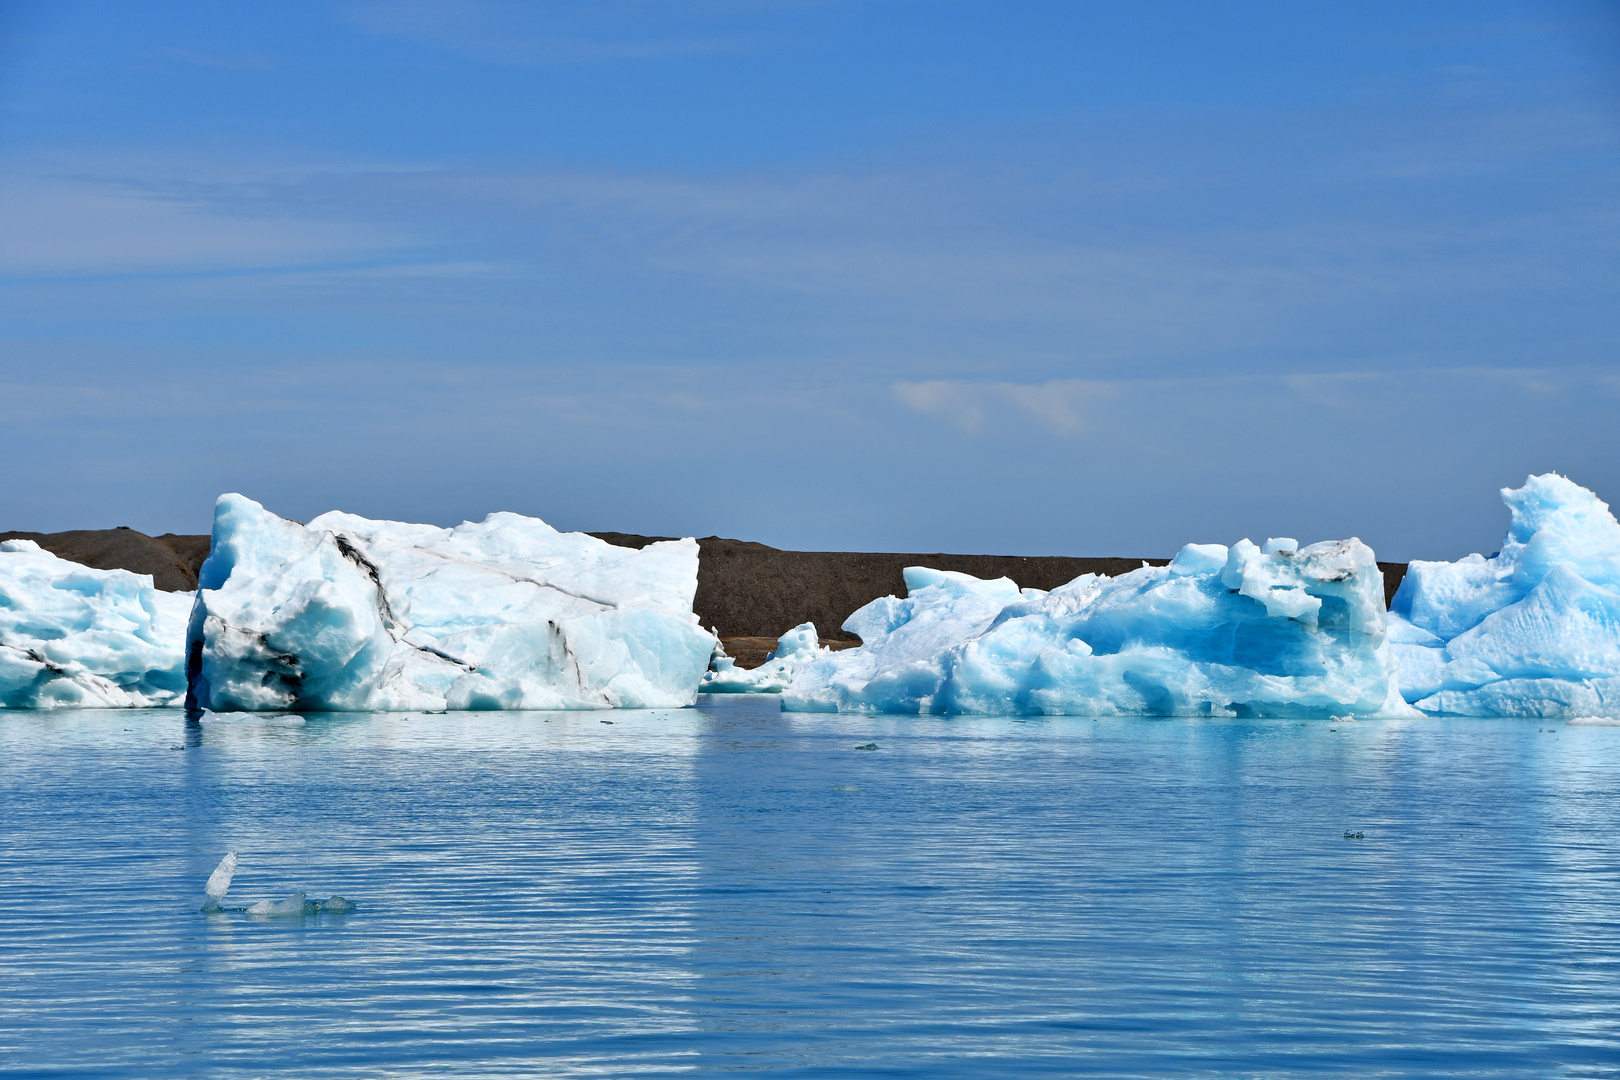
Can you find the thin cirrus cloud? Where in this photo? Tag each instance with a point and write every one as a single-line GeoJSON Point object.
{"type": "Point", "coordinates": [56, 224]}
{"type": "Point", "coordinates": [1058, 405]}
{"type": "Point", "coordinates": [511, 33]}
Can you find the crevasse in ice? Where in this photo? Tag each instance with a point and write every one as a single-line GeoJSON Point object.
{"type": "Point", "coordinates": [1533, 630]}
{"type": "Point", "coordinates": [74, 636]}
{"type": "Point", "coordinates": [794, 649]}
{"type": "Point", "coordinates": [346, 613]}
{"type": "Point", "coordinates": [1224, 632]}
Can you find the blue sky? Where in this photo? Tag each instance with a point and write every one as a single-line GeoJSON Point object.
{"type": "Point", "coordinates": [918, 275]}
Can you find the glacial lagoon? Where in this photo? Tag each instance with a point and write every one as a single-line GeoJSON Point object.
{"type": "Point", "coordinates": [733, 889]}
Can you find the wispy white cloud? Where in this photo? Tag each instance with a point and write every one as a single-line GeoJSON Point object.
{"type": "Point", "coordinates": [76, 225]}
{"type": "Point", "coordinates": [569, 31]}
{"type": "Point", "coordinates": [1060, 406]}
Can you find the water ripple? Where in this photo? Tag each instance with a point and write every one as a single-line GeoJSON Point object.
{"type": "Point", "coordinates": [734, 890]}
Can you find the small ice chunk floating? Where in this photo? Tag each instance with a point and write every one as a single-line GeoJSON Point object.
{"type": "Point", "coordinates": [74, 636]}
{"type": "Point", "coordinates": [1241, 631]}
{"type": "Point", "coordinates": [347, 613]}
{"type": "Point", "coordinates": [298, 903]}
{"type": "Point", "coordinates": [1533, 630]}
{"type": "Point", "coordinates": [794, 649]}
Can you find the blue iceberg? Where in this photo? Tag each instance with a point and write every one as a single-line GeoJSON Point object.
{"type": "Point", "coordinates": [71, 635]}
{"type": "Point", "coordinates": [348, 614]}
{"type": "Point", "coordinates": [1533, 630]}
{"type": "Point", "coordinates": [1241, 631]}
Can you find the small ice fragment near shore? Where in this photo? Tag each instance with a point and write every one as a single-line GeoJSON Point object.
{"type": "Point", "coordinates": [1593, 721]}
{"type": "Point", "coordinates": [292, 905]}
{"type": "Point", "coordinates": [337, 905]}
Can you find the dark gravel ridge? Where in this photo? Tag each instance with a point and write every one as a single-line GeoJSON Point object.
{"type": "Point", "coordinates": [745, 590]}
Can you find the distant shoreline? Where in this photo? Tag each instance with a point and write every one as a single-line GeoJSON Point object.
{"type": "Point", "coordinates": [746, 591]}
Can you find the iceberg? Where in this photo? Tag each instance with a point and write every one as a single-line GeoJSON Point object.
{"type": "Point", "coordinates": [794, 649]}
{"type": "Point", "coordinates": [1533, 630]}
{"type": "Point", "coordinates": [348, 614]}
{"type": "Point", "coordinates": [1240, 631]}
{"type": "Point", "coordinates": [74, 636]}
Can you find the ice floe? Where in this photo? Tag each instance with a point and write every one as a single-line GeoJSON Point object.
{"type": "Point", "coordinates": [1240, 631]}
{"type": "Point", "coordinates": [347, 613]}
{"type": "Point", "coordinates": [74, 636]}
{"type": "Point", "coordinates": [794, 649]}
{"type": "Point", "coordinates": [1533, 630]}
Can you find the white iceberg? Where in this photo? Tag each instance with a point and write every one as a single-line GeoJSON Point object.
{"type": "Point", "coordinates": [348, 614]}
{"type": "Point", "coordinates": [794, 649]}
{"type": "Point", "coordinates": [1533, 630]}
{"type": "Point", "coordinates": [1219, 632]}
{"type": "Point", "coordinates": [74, 636]}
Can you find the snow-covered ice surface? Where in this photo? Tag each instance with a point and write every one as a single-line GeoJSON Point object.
{"type": "Point", "coordinates": [794, 650]}
{"type": "Point", "coordinates": [1534, 630]}
{"type": "Point", "coordinates": [1222, 632]}
{"type": "Point", "coordinates": [74, 636]}
{"type": "Point", "coordinates": [348, 614]}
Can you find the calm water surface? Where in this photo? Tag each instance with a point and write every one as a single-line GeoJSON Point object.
{"type": "Point", "coordinates": [732, 889]}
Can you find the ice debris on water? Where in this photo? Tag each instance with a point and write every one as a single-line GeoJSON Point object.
{"type": "Point", "coordinates": [347, 613]}
{"type": "Point", "coordinates": [219, 882]}
{"type": "Point", "coordinates": [292, 905]}
{"type": "Point", "coordinates": [1239, 631]}
{"type": "Point", "coordinates": [1533, 630]}
{"type": "Point", "coordinates": [794, 649]}
{"type": "Point", "coordinates": [74, 636]}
